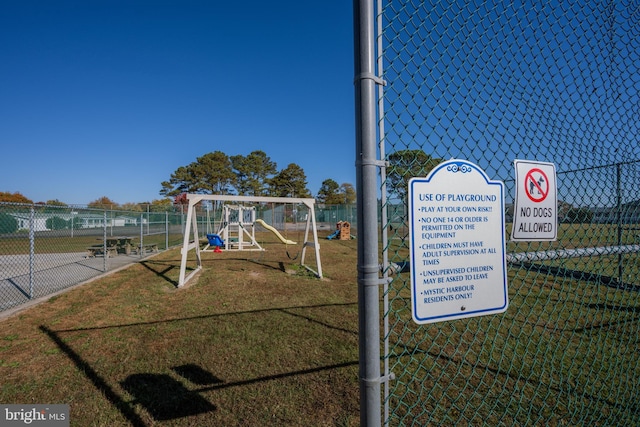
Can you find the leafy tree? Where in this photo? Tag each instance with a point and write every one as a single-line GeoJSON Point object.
{"type": "Point", "coordinates": [214, 173]}
{"type": "Point", "coordinates": [253, 172]}
{"type": "Point", "coordinates": [289, 182]}
{"type": "Point", "coordinates": [181, 181]}
{"type": "Point", "coordinates": [406, 164]}
{"type": "Point", "coordinates": [209, 174]}
{"type": "Point", "coordinates": [180, 199]}
{"type": "Point", "coordinates": [135, 207]}
{"type": "Point", "coordinates": [161, 205]}
{"type": "Point", "coordinates": [328, 192]}
{"type": "Point", "coordinates": [348, 193]}
{"type": "Point", "coordinates": [56, 223]}
{"type": "Point", "coordinates": [103, 203]}
{"type": "Point", "coordinates": [331, 193]}
{"type": "Point", "coordinates": [8, 224]}
{"type": "Point", "coordinates": [14, 198]}
{"type": "Point", "coordinates": [75, 224]}
{"type": "Point", "coordinates": [51, 206]}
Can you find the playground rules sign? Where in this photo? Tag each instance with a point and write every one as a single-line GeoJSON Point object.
{"type": "Point", "coordinates": [457, 244]}
{"type": "Point", "coordinates": [535, 211]}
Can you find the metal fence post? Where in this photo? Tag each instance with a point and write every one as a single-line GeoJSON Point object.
{"type": "Point", "coordinates": [366, 178]}
{"type": "Point", "coordinates": [141, 234]}
{"type": "Point", "coordinates": [32, 247]}
{"type": "Point", "coordinates": [166, 230]}
{"type": "Point", "coordinates": [104, 240]}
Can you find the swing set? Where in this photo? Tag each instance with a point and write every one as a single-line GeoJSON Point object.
{"type": "Point", "coordinates": [237, 230]}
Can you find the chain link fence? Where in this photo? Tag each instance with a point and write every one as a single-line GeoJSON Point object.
{"type": "Point", "coordinates": [45, 249]}
{"type": "Point", "coordinates": [282, 216]}
{"type": "Point", "coordinates": [492, 82]}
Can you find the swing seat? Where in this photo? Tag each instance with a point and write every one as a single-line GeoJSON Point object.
{"type": "Point", "coordinates": [215, 240]}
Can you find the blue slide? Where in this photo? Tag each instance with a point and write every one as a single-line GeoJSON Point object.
{"type": "Point", "coordinates": [334, 234]}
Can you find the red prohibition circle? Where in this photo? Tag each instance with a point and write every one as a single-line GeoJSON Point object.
{"type": "Point", "coordinates": [531, 185]}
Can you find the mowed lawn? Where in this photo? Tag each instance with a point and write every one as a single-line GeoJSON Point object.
{"type": "Point", "coordinates": [252, 340]}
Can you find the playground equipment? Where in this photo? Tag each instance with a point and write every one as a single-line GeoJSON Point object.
{"type": "Point", "coordinates": [237, 231]}
{"type": "Point", "coordinates": [343, 231]}
{"type": "Point", "coordinates": [239, 224]}
{"type": "Point", "coordinates": [214, 240]}
{"type": "Point", "coordinates": [276, 232]}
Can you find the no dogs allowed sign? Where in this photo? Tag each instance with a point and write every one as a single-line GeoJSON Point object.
{"type": "Point", "coordinates": [535, 211]}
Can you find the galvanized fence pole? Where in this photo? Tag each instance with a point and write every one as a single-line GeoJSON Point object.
{"type": "Point", "coordinates": [367, 217]}
{"type": "Point", "coordinates": [141, 234]}
{"type": "Point", "coordinates": [104, 241]}
{"type": "Point", "coordinates": [32, 251]}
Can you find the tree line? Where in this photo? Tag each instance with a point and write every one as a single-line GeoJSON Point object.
{"type": "Point", "coordinates": [257, 175]}
{"type": "Point", "coordinates": [217, 173]}
{"type": "Point", "coordinates": [252, 175]}
{"type": "Point", "coordinates": [104, 202]}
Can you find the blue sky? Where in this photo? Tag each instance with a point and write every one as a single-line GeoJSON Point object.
{"type": "Point", "coordinates": [108, 97]}
{"type": "Point", "coordinates": [492, 82]}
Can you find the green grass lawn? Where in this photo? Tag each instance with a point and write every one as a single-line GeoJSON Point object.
{"type": "Point", "coordinates": [254, 341]}
{"type": "Point", "coordinates": [52, 244]}
{"type": "Point", "coordinates": [245, 343]}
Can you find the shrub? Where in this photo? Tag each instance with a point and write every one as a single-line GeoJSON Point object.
{"type": "Point", "coordinates": [56, 223]}
{"type": "Point", "coordinates": [8, 224]}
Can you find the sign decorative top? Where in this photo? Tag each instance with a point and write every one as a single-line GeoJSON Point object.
{"type": "Point", "coordinates": [457, 244]}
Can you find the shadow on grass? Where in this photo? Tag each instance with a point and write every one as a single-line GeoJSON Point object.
{"type": "Point", "coordinates": [161, 268]}
{"type": "Point", "coordinates": [98, 382]}
{"type": "Point", "coordinates": [280, 376]}
{"type": "Point", "coordinates": [285, 310]}
{"type": "Point", "coordinates": [166, 398]}
{"type": "Point", "coordinates": [269, 264]}
{"type": "Point", "coordinates": [162, 396]}
{"type": "Point", "coordinates": [195, 374]}
{"type": "Point", "coordinates": [595, 278]}
{"type": "Point", "coordinates": [164, 267]}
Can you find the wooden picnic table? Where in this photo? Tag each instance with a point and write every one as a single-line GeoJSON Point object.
{"type": "Point", "coordinates": [122, 244]}
{"type": "Point", "coordinates": [114, 245]}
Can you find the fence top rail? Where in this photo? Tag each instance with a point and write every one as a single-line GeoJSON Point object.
{"type": "Point", "coordinates": [195, 198]}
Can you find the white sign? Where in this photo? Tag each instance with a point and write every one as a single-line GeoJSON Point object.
{"type": "Point", "coordinates": [535, 211]}
{"type": "Point", "coordinates": [457, 244]}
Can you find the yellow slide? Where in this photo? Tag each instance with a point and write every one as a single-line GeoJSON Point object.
{"type": "Point", "coordinates": [276, 232]}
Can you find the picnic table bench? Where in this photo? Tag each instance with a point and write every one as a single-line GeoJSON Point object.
{"type": "Point", "coordinates": [122, 243]}
{"type": "Point", "coordinates": [149, 247]}
{"type": "Point", "coordinates": [115, 245]}
{"type": "Point", "coordinates": [92, 251]}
